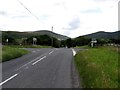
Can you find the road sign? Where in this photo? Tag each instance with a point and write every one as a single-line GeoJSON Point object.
{"type": "Point", "coordinates": [93, 42]}
{"type": "Point", "coordinates": [34, 40]}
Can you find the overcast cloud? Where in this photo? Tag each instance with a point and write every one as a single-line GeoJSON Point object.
{"type": "Point", "coordinates": [68, 17]}
{"type": "Point", "coordinates": [74, 24]}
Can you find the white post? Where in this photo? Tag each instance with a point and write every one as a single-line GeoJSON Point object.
{"type": "Point", "coordinates": [34, 41]}
{"type": "Point", "coordinates": [7, 40]}
{"type": "Point", "coordinates": [52, 38]}
{"type": "Point", "coordinates": [92, 44]}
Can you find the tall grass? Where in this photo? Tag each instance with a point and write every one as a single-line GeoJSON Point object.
{"type": "Point", "coordinates": [29, 46]}
{"type": "Point", "coordinates": [98, 67]}
{"type": "Point", "coordinates": [9, 53]}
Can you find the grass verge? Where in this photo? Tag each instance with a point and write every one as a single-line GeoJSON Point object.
{"type": "Point", "coordinates": [83, 47]}
{"type": "Point", "coordinates": [9, 53]}
{"type": "Point", "coordinates": [98, 67]}
{"type": "Point", "coordinates": [29, 46]}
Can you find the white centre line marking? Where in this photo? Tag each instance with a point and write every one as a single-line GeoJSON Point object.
{"type": "Point", "coordinates": [27, 63]}
{"type": "Point", "coordinates": [39, 60]}
{"type": "Point", "coordinates": [74, 52]}
{"type": "Point", "coordinates": [26, 68]}
{"type": "Point", "coordinates": [33, 51]}
{"type": "Point", "coordinates": [8, 79]}
{"type": "Point", "coordinates": [51, 52]}
{"type": "Point", "coordinates": [56, 49]}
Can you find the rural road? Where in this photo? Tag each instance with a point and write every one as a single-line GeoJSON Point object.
{"type": "Point", "coordinates": [42, 68]}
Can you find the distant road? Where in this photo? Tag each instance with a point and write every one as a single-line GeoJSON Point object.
{"type": "Point", "coordinates": [43, 68]}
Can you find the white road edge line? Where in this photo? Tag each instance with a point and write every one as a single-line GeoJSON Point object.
{"type": "Point", "coordinates": [8, 79]}
{"type": "Point", "coordinates": [39, 60]}
{"type": "Point", "coordinates": [74, 52]}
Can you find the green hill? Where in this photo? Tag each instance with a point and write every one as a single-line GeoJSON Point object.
{"type": "Point", "coordinates": [104, 35]}
{"type": "Point", "coordinates": [58, 36]}
{"type": "Point", "coordinates": [18, 35]}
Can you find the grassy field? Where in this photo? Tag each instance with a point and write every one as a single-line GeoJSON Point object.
{"type": "Point", "coordinates": [9, 53]}
{"type": "Point", "coordinates": [29, 46]}
{"type": "Point", "coordinates": [98, 67]}
{"type": "Point", "coordinates": [13, 51]}
{"type": "Point", "coordinates": [85, 47]}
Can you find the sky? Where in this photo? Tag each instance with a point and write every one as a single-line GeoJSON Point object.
{"type": "Point", "coordinates": [72, 18]}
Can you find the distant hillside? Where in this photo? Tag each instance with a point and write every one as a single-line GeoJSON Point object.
{"type": "Point", "coordinates": [16, 34]}
{"type": "Point", "coordinates": [104, 35]}
{"type": "Point", "coordinates": [58, 36]}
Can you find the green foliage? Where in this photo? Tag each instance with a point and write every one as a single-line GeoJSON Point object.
{"type": "Point", "coordinates": [81, 41]}
{"type": "Point", "coordinates": [115, 41]}
{"type": "Point", "coordinates": [56, 43]}
{"type": "Point", "coordinates": [9, 53]}
{"type": "Point", "coordinates": [28, 46]}
{"type": "Point", "coordinates": [104, 35]}
{"type": "Point", "coordinates": [63, 43]}
{"type": "Point", "coordinates": [98, 67]}
{"type": "Point", "coordinates": [44, 40]}
{"type": "Point", "coordinates": [69, 42]}
{"type": "Point", "coordinates": [41, 40]}
{"type": "Point", "coordinates": [20, 37]}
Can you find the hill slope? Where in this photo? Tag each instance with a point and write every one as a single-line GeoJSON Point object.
{"type": "Point", "coordinates": [58, 36]}
{"type": "Point", "coordinates": [104, 35]}
{"type": "Point", "coordinates": [15, 34]}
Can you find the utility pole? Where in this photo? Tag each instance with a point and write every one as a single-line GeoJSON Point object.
{"type": "Point", "coordinates": [52, 38]}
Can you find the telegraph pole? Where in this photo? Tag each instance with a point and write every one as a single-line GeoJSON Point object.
{"type": "Point", "coordinates": [52, 38]}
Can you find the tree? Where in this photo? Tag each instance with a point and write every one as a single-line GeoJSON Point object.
{"type": "Point", "coordinates": [80, 41]}
{"type": "Point", "coordinates": [63, 43]}
{"type": "Point", "coordinates": [11, 40]}
{"type": "Point", "coordinates": [56, 43]}
{"type": "Point", "coordinates": [69, 42]}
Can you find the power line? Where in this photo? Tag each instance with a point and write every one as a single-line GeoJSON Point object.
{"type": "Point", "coordinates": [29, 10]}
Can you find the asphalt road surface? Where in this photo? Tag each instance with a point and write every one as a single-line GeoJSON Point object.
{"type": "Point", "coordinates": [42, 68]}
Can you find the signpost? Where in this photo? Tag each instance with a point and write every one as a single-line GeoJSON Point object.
{"type": "Point", "coordinates": [93, 42]}
{"type": "Point", "coordinates": [34, 40]}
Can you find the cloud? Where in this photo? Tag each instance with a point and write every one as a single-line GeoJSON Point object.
{"type": "Point", "coordinates": [74, 24]}
{"type": "Point", "coordinates": [69, 17]}
{"type": "Point", "coordinates": [94, 10]}
{"type": "Point", "coordinates": [67, 32]}
{"type": "Point", "coordinates": [104, 0]}
{"type": "Point", "coordinates": [21, 16]}
{"type": "Point", "coordinates": [3, 13]}
{"type": "Point", "coordinates": [44, 17]}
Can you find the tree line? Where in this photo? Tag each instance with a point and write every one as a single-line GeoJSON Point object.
{"type": "Point", "coordinates": [52, 41]}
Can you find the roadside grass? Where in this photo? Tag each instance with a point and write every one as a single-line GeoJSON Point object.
{"type": "Point", "coordinates": [83, 47]}
{"type": "Point", "coordinates": [29, 46]}
{"type": "Point", "coordinates": [98, 67]}
{"type": "Point", "coordinates": [9, 53]}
